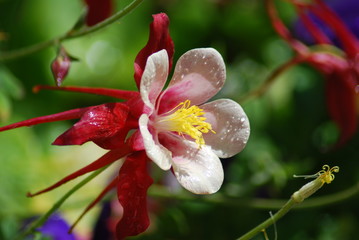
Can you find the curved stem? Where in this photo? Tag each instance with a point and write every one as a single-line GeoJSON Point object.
{"type": "Point", "coordinates": [29, 230]}
{"type": "Point", "coordinates": [104, 23]}
{"type": "Point", "coordinates": [268, 82]}
{"type": "Point", "coordinates": [257, 203]}
{"type": "Point", "coordinates": [71, 34]}
{"type": "Point", "coordinates": [284, 210]}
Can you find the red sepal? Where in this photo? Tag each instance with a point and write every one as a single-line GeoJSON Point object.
{"type": "Point", "coordinates": [341, 102]}
{"type": "Point", "coordinates": [97, 124]}
{"type": "Point", "coordinates": [132, 194]}
{"type": "Point", "coordinates": [98, 10]}
{"type": "Point", "coordinates": [159, 39]}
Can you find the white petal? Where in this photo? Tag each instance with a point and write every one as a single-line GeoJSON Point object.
{"type": "Point", "coordinates": [154, 150]}
{"type": "Point", "coordinates": [198, 170]}
{"type": "Point", "coordinates": [198, 76]}
{"type": "Point", "coordinates": [231, 125]}
{"type": "Point", "coordinates": [154, 77]}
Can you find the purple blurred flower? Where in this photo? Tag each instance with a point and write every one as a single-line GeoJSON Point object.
{"type": "Point", "coordinates": [56, 228]}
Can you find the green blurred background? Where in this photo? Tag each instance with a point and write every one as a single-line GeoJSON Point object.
{"type": "Point", "coordinates": [290, 128]}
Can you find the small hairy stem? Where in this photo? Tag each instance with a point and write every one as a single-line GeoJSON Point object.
{"type": "Point", "coordinates": [273, 219]}
{"type": "Point", "coordinates": [39, 222]}
{"type": "Point", "coordinates": [326, 175]}
{"type": "Point", "coordinates": [71, 34]}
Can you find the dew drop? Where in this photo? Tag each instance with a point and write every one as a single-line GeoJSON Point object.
{"type": "Point", "coordinates": [243, 119]}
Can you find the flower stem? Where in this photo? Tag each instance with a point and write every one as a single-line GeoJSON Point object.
{"type": "Point", "coordinates": [284, 210]}
{"type": "Point", "coordinates": [268, 82]}
{"type": "Point", "coordinates": [30, 229]}
{"type": "Point", "coordinates": [256, 203]}
{"type": "Point", "coordinates": [71, 34]}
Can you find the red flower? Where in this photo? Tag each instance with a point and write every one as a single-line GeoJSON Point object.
{"type": "Point", "coordinates": [167, 129]}
{"type": "Point", "coordinates": [341, 72]}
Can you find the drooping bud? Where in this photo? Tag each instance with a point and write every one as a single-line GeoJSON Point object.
{"type": "Point", "coordinates": [60, 66]}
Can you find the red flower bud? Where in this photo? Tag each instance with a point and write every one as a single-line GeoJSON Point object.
{"type": "Point", "coordinates": [60, 66]}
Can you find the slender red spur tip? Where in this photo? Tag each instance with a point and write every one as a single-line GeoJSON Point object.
{"type": "Point", "coordinates": [116, 93]}
{"type": "Point", "coordinates": [106, 159]}
{"type": "Point", "coordinates": [67, 115]}
{"type": "Point", "coordinates": [282, 30]}
{"type": "Point", "coordinates": [314, 30]}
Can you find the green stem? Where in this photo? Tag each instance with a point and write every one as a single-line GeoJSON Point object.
{"type": "Point", "coordinates": [72, 34]}
{"type": "Point", "coordinates": [39, 222]}
{"type": "Point", "coordinates": [271, 78]}
{"type": "Point", "coordinates": [257, 203]}
{"type": "Point", "coordinates": [284, 210]}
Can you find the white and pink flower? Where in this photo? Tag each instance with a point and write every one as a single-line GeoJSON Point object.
{"type": "Point", "coordinates": [179, 129]}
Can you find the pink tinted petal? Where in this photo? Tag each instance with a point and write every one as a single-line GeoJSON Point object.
{"type": "Point", "coordinates": [132, 195]}
{"type": "Point", "coordinates": [198, 76]}
{"type": "Point", "coordinates": [154, 150]}
{"type": "Point", "coordinates": [159, 39]}
{"type": "Point", "coordinates": [98, 123]}
{"type": "Point", "coordinates": [199, 170]}
{"type": "Point", "coordinates": [154, 77]}
{"type": "Point", "coordinates": [231, 125]}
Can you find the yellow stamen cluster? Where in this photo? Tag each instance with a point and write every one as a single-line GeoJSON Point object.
{"type": "Point", "coordinates": [326, 175]}
{"type": "Point", "coordinates": [185, 119]}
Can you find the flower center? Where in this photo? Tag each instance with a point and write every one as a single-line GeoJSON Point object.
{"type": "Point", "coordinates": [185, 119]}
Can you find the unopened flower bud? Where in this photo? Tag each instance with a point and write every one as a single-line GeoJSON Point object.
{"type": "Point", "coordinates": [60, 66]}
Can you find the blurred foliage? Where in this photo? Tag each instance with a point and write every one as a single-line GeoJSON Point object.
{"type": "Point", "coordinates": [290, 128]}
